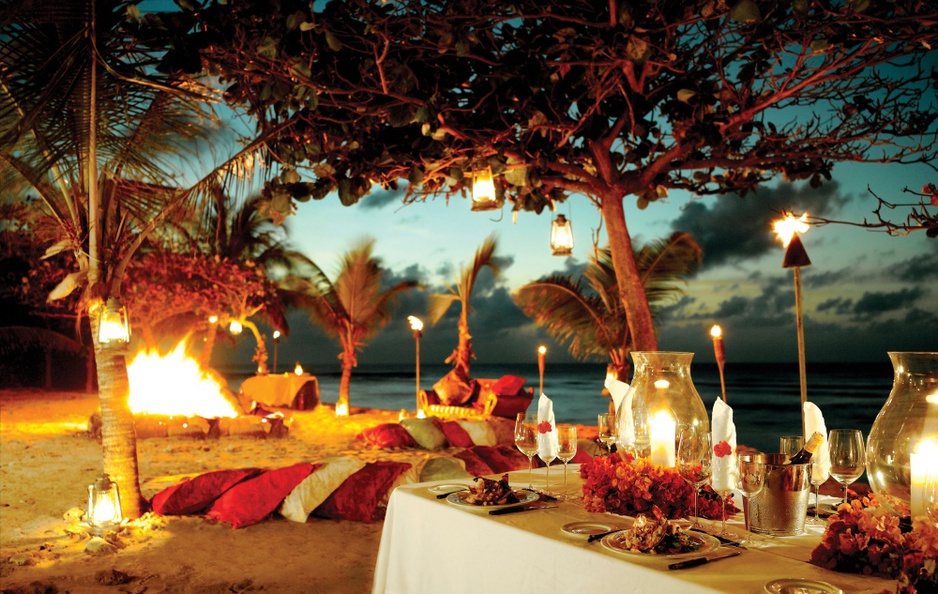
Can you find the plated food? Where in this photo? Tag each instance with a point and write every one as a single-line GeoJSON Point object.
{"type": "Point", "coordinates": [657, 535]}
{"type": "Point", "coordinates": [492, 492]}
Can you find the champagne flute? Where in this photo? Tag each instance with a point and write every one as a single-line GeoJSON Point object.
{"type": "Point", "coordinates": [750, 479]}
{"type": "Point", "coordinates": [694, 459]}
{"type": "Point", "coordinates": [607, 430]}
{"type": "Point", "coordinates": [725, 492]}
{"type": "Point", "coordinates": [566, 438]}
{"type": "Point", "coordinates": [847, 456]}
{"type": "Point", "coordinates": [526, 440]}
{"type": "Point", "coordinates": [547, 454]}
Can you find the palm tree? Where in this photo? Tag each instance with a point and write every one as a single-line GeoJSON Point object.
{"type": "Point", "coordinates": [462, 292]}
{"type": "Point", "coordinates": [90, 126]}
{"type": "Point", "coordinates": [353, 309]}
{"type": "Point", "coordinates": [592, 320]}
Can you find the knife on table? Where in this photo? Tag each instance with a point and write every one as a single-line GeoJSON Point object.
{"type": "Point", "coordinates": [520, 508]}
{"type": "Point", "coordinates": [729, 552]}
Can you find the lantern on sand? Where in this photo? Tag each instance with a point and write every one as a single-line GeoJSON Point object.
{"type": "Point", "coordinates": [104, 504]}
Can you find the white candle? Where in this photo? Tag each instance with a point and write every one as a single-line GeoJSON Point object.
{"type": "Point", "coordinates": [662, 429]}
{"type": "Point", "coordinates": [924, 466]}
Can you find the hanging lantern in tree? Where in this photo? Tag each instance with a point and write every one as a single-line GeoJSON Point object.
{"type": "Point", "coordinates": [104, 503]}
{"type": "Point", "coordinates": [113, 325]}
{"type": "Point", "coordinates": [483, 190]}
{"type": "Point", "coordinates": [235, 327]}
{"type": "Point", "coordinates": [561, 236]}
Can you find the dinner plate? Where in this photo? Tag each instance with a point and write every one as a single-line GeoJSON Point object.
{"type": "Point", "coordinates": [459, 500]}
{"type": "Point", "coordinates": [447, 488]}
{"type": "Point", "coordinates": [707, 544]}
{"type": "Point", "coordinates": [586, 529]}
{"type": "Point", "coordinates": [800, 586]}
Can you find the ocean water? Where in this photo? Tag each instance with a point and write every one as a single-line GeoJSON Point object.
{"type": "Point", "coordinates": [765, 397]}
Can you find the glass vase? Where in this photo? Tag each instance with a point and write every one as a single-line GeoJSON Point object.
{"type": "Point", "coordinates": [902, 442]}
{"type": "Point", "coordinates": [664, 400]}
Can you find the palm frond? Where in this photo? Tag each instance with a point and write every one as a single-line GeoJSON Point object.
{"type": "Point", "coordinates": [663, 265]}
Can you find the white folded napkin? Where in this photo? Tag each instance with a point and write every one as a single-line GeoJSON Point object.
{"type": "Point", "coordinates": [814, 421]}
{"type": "Point", "coordinates": [723, 436]}
{"type": "Point", "coordinates": [622, 400]}
{"type": "Point", "coordinates": [547, 442]}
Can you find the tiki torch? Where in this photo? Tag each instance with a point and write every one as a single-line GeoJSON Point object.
{"type": "Point", "coordinates": [717, 334]}
{"type": "Point", "coordinates": [541, 351]}
{"type": "Point", "coordinates": [788, 230]}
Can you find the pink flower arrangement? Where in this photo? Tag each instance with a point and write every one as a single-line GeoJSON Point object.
{"type": "Point", "coordinates": [623, 485]}
{"type": "Point", "coordinates": [865, 537]}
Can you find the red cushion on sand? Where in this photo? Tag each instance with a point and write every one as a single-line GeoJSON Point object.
{"type": "Point", "coordinates": [501, 458]}
{"type": "Point", "coordinates": [508, 385]}
{"type": "Point", "coordinates": [358, 496]}
{"type": "Point", "coordinates": [475, 465]}
{"type": "Point", "coordinates": [456, 435]}
{"type": "Point", "coordinates": [388, 435]}
{"type": "Point", "coordinates": [581, 457]}
{"type": "Point", "coordinates": [194, 495]}
{"type": "Point", "coordinates": [254, 499]}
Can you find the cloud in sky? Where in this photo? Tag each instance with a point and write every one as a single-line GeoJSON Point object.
{"type": "Point", "coordinates": [726, 228]}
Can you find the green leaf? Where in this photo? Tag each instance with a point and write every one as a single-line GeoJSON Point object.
{"type": "Point", "coordinates": [305, 26]}
{"type": "Point", "coordinates": [636, 49]}
{"type": "Point", "coordinates": [333, 42]}
{"type": "Point", "coordinates": [416, 176]}
{"type": "Point", "coordinates": [268, 48]}
{"type": "Point", "coordinates": [290, 176]}
{"type": "Point", "coordinates": [517, 176]}
{"type": "Point", "coordinates": [819, 45]}
{"type": "Point", "coordinates": [746, 12]}
{"type": "Point", "coordinates": [133, 13]}
{"type": "Point", "coordinates": [858, 6]}
{"type": "Point", "coordinates": [801, 7]}
{"type": "Point", "coordinates": [346, 196]}
{"type": "Point", "coordinates": [684, 95]}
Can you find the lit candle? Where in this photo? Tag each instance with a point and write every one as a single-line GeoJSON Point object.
{"type": "Point", "coordinates": [541, 351]}
{"type": "Point", "coordinates": [662, 429]}
{"type": "Point", "coordinates": [924, 467]}
{"type": "Point", "coordinates": [298, 369]}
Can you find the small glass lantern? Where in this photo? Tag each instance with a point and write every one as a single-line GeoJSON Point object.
{"type": "Point", "coordinates": [561, 236]}
{"type": "Point", "coordinates": [483, 190]}
{"type": "Point", "coordinates": [113, 325]}
{"type": "Point", "coordinates": [104, 503]}
{"type": "Point", "coordinates": [235, 327]}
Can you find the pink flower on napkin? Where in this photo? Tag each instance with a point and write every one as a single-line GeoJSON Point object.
{"type": "Point", "coordinates": [722, 449]}
{"type": "Point", "coordinates": [544, 427]}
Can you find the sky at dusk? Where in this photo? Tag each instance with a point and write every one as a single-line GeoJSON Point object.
{"type": "Point", "coordinates": [866, 293]}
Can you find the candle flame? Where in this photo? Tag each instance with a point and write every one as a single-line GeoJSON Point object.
{"type": "Point", "coordinates": [662, 384]}
{"type": "Point", "coordinates": [416, 324]}
{"type": "Point", "coordinates": [786, 228]}
{"type": "Point", "coordinates": [298, 369]}
{"type": "Point", "coordinates": [716, 331]}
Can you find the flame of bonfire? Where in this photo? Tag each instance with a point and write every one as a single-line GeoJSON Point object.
{"type": "Point", "coordinates": [174, 385]}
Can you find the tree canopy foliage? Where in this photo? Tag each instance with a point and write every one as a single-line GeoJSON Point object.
{"type": "Point", "coordinates": [600, 99]}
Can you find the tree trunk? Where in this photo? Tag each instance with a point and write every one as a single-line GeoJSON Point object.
{"type": "Point", "coordinates": [345, 382]}
{"type": "Point", "coordinates": [631, 289]}
{"type": "Point", "coordinates": [118, 437]}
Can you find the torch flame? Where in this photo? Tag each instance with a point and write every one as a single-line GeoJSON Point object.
{"type": "Point", "coordinates": [542, 350]}
{"type": "Point", "coordinates": [716, 331]}
{"type": "Point", "coordinates": [786, 228]}
{"type": "Point", "coordinates": [174, 385]}
{"type": "Point", "coordinates": [416, 324]}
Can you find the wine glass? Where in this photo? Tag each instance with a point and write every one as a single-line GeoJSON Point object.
{"type": "Point", "coordinates": [725, 492]}
{"type": "Point", "coordinates": [750, 478]}
{"type": "Point", "coordinates": [694, 457]}
{"type": "Point", "coordinates": [847, 456]}
{"type": "Point", "coordinates": [526, 440]}
{"type": "Point", "coordinates": [547, 454]}
{"type": "Point", "coordinates": [790, 444]}
{"type": "Point", "coordinates": [566, 438]}
{"type": "Point", "coordinates": [607, 430]}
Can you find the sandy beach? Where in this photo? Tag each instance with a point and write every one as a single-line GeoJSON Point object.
{"type": "Point", "coordinates": [47, 461]}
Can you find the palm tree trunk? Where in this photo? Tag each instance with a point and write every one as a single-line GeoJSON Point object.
{"type": "Point", "coordinates": [345, 383]}
{"type": "Point", "coordinates": [118, 437]}
{"type": "Point", "coordinates": [631, 290]}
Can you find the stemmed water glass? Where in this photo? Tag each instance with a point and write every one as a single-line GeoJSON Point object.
{"type": "Point", "coordinates": [526, 440]}
{"type": "Point", "coordinates": [566, 438]}
{"type": "Point", "coordinates": [750, 478]}
{"type": "Point", "coordinates": [817, 479]}
{"type": "Point", "coordinates": [607, 430]}
{"type": "Point", "coordinates": [694, 458]}
{"type": "Point", "coordinates": [724, 493]}
{"type": "Point", "coordinates": [547, 454]}
{"type": "Point", "coordinates": [848, 459]}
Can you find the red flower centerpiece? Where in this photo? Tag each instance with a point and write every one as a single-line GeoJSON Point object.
{"type": "Point", "coordinates": [869, 538]}
{"type": "Point", "coordinates": [620, 484]}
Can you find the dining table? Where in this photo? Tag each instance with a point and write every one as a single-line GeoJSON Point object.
{"type": "Point", "coordinates": [281, 389]}
{"type": "Point", "coordinates": [440, 544]}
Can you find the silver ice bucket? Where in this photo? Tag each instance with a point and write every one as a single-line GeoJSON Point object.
{"type": "Point", "coordinates": [781, 506]}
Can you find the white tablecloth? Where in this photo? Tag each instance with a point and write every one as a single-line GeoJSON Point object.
{"type": "Point", "coordinates": [429, 545]}
{"type": "Point", "coordinates": [275, 389]}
